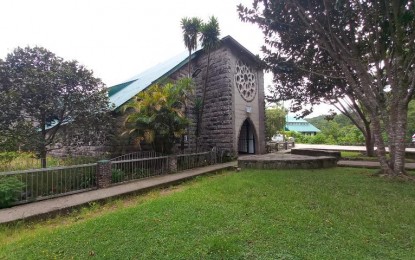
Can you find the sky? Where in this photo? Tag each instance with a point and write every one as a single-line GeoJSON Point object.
{"type": "Point", "coordinates": [117, 39]}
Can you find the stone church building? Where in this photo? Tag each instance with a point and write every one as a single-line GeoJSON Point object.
{"type": "Point", "coordinates": [234, 112]}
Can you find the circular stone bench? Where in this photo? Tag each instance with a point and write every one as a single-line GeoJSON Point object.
{"type": "Point", "coordinates": [286, 161]}
{"type": "Point", "coordinates": [316, 152]}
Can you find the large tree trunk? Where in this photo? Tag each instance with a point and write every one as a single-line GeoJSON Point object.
{"type": "Point", "coordinates": [370, 144]}
{"type": "Point", "coordinates": [42, 146]}
{"type": "Point", "coordinates": [398, 123]}
{"type": "Point", "coordinates": [354, 112]}
{"type": "Point", "coordinates": [42, 156]}
{"type": "Point", "coordinates": [380, 144]}
{"type": "Point", "coordinates": [189, 75]}
{"type": "Point", "coordinates": [369, 139]}
{"type": "Point", "coordinates": [394, 166]}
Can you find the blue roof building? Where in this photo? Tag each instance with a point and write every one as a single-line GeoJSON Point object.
{"type": "Point", "coordinates": [300, 125]}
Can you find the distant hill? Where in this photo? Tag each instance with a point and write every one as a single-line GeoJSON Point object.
{"type": "Point", "coordinates": [320, 121]}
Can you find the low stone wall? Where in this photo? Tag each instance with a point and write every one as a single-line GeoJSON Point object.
{"type": "Point", "coordinates": [315, 152]}
{"type": "Point", "coordinates": [85, 150]}
{"type": "Point", "coordinates": [273, 147]}
{"type": "Point", "coordinates": [286, 161]}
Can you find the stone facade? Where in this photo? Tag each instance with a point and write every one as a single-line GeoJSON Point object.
{"type": "Point", "coordinates": [286, 161]}
{"type": "Point", "coordinates": [234, 110]}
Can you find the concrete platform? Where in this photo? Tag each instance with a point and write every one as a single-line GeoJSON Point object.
{"type": "Point", "coordinates": [286, 161]}
{"type": "Point", "coordinates": [410, 150]}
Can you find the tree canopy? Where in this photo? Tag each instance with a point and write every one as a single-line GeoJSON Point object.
{"type": "Point", "coordinates": [157, 116]}
{"type": "Point", "coordinates": [274, 121]}
{"type": "Point", "coordinates": [191, 30]}
{"type": "Point", "coordinates": [45, 92]}
{"type": "Point", "coordinates": [209, 38]}
{"type": "Point", "coordinates": [360, 49]}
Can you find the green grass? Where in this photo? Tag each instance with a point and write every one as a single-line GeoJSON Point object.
{"type": "Point", "coordinates": [16, 161]}
{"type": "Point", "coordinates": [350, 155]}
{"type": "Point", "coordinates": [339, 213]}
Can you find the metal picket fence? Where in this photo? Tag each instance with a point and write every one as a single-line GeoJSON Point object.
{"type": "Point", "coordinates": [38, 184]}
{"type": "Point", "coordinates": [134, 166]}
{"type": "Point", "coordinates": [139, 168]}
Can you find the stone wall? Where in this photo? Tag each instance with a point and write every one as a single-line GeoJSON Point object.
{"type": "Point", "coordinates": [217, 120]}
{"type": "Point", "coordinates": [225, 109]}
{"type": "Point", "coordinates": [256, 103]}
{"type": "Point", "coordinates": [316, 152]}
{"type": "Point", "coordinates": [286, 161]}
{"type": "Point", "coordinates": [217, 123]}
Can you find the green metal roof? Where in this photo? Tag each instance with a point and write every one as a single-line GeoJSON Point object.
{"type": "Point", "coordinates": [302, 129]}
{"type": "Point", "coordinates": [300, 125]}
{"type": "Point", "coordinates": [114, 89]}
{"type": "Point", "coordinates": [123, 92]}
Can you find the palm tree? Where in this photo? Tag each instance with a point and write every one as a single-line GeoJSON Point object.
{"type": "Point", "coordinates": [210, 40]}
{"type": "Point", "coordinates": [158, 116]}
{"type": "Point", "coordinates": [191, 29]}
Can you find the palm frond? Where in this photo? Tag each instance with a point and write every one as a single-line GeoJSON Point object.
{"type": "Point", "coordinates": [210, 33]}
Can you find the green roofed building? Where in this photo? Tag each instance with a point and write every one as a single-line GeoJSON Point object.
{"type": "Point", "coordinates": [234, 112]}
{"type": "Point", "coordinates": [300, 125]}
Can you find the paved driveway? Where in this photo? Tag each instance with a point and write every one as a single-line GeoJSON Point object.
{"type": "Point", "coordinates": [339, 147]}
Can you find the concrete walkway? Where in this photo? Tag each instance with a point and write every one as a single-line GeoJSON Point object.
{"type": "Point", "coordinates": [341, 147]}
{"type": "Point", "coordinates": [347, 163]}
{"type": "Point", "coordinates": [65, 203]}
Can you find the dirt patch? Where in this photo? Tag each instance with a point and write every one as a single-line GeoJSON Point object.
{"type": "Point", "coordinates": [171, 190]}
{"type": "Point", "coordinates": [401, 177]}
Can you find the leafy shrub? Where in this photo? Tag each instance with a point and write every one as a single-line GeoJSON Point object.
{"type": "Point", "coordinates": [139, 173]}
{"type": "Point", "coordinates": [10, 187]}
{"type": "Point", "coordinates": [305, 139]}
{"type": "Point", "coordinates": [318, 139]}
{"type": "Point", "coordinates": [351, 135]}
{"type": "Point", "coordinates": [7, 157]}
{"type": "Point", "coordinates": [330, 140]}
{"type": "Point", "coordinates": [87, 181]}
{"type": "Point", "coordinates": [117, 175]}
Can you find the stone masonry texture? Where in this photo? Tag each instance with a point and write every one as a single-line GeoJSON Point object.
{"type": "Point", "coordinates": [224, 109]}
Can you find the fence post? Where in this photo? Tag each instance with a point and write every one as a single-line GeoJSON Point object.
{"type": "Point", "coordinates": [172, 163]}
{"type": "Point", "coordinates": [103, 174]}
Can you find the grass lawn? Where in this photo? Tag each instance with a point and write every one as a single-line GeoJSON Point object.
{"type": "Point", "coordinates": [17, 161]}
{"type": "Point", "coordinates": [350, 155]}
{"type": "Point", "coordinates": [339, 213]}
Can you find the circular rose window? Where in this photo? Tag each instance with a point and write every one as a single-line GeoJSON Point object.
{"type": "Point", "coordinates": [245, 80]}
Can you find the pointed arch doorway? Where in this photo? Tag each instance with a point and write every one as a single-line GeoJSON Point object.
{"type": "Point", "coordinates": [247, 141]}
